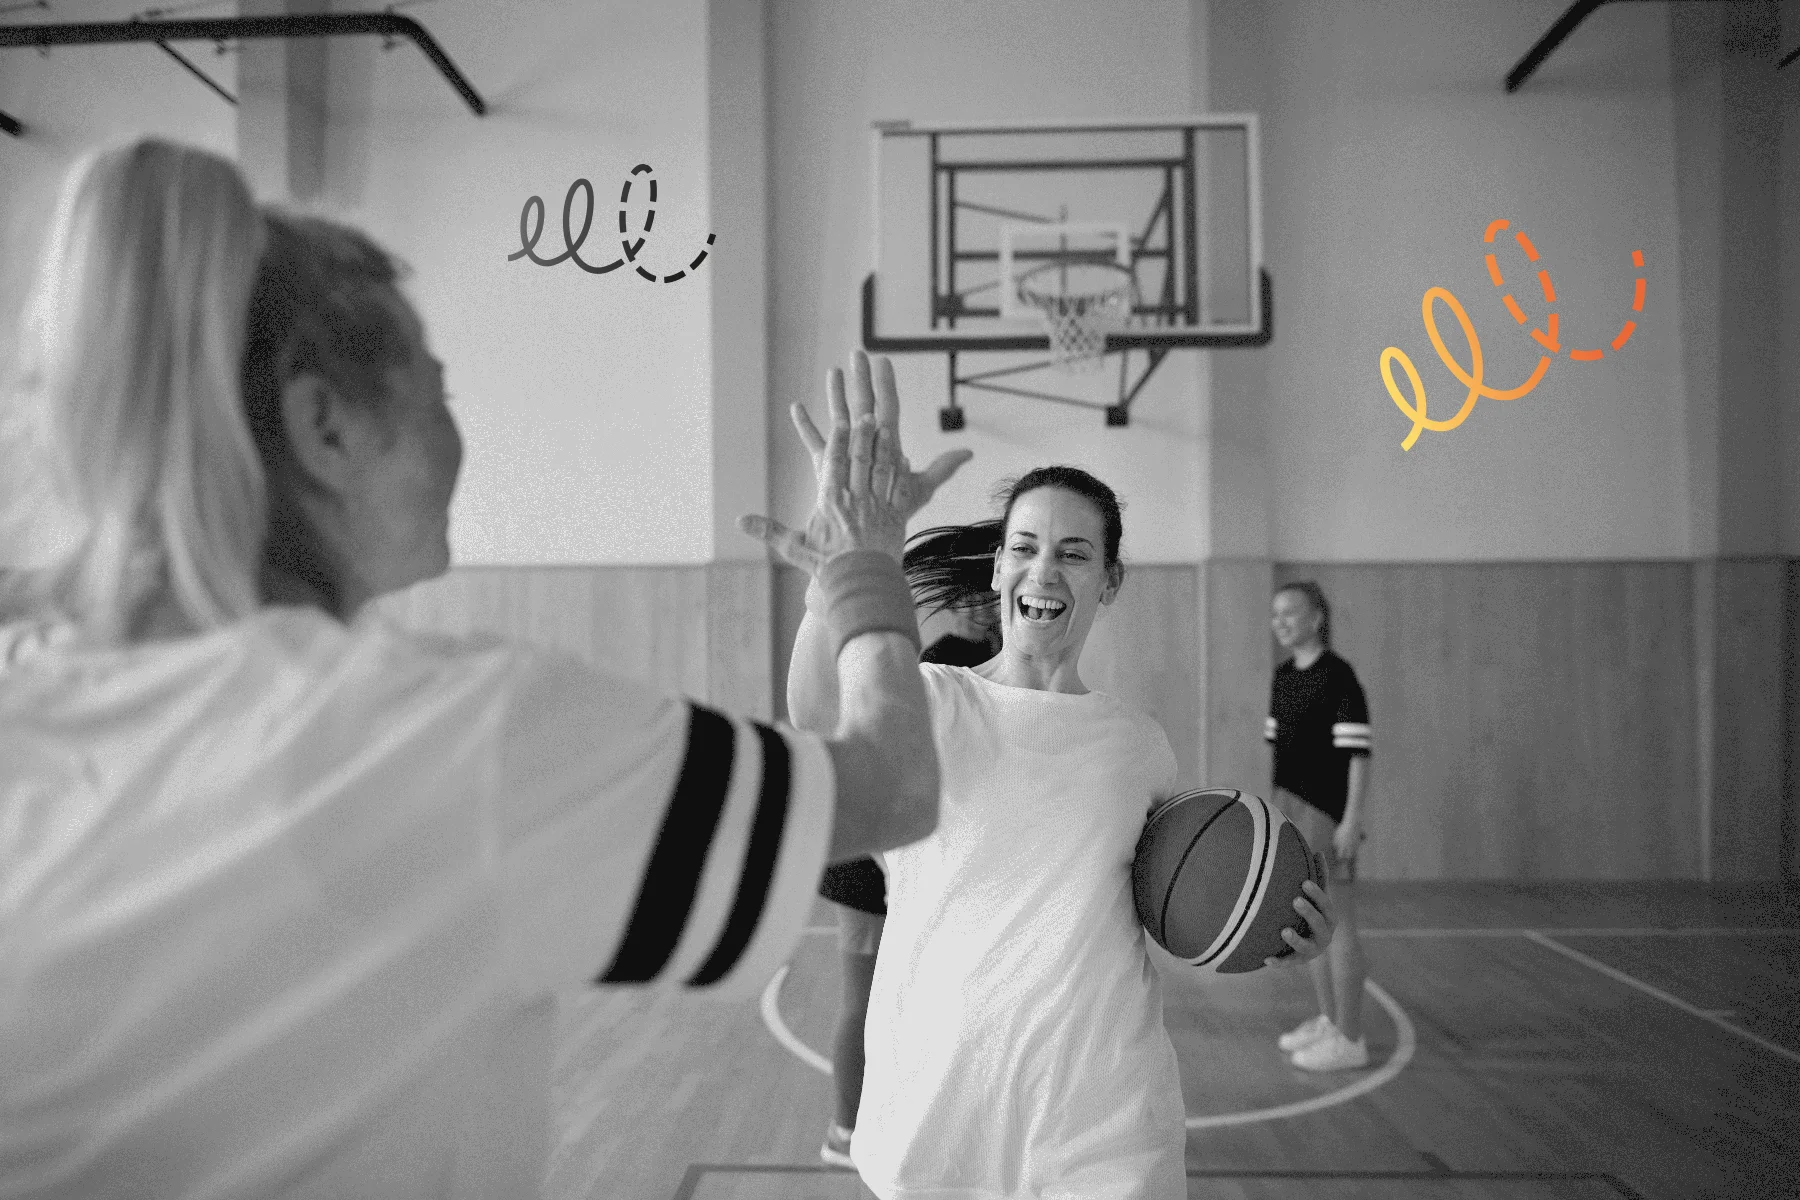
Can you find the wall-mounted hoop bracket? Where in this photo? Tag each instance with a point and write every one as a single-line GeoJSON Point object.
{"type": "Point", "coordinates": [1156, 343]}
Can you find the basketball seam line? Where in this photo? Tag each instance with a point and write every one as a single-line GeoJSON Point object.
{"type": "Point", "coordinates": [1162, 916]}
{"type": "Point", "coordinates": [1257, 889]}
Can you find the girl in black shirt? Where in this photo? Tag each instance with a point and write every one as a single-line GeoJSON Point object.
{"type": "Point", "coordinates": [1318, 724]}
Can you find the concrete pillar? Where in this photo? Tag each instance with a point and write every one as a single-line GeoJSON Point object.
{"type": "Point", "coordinates": [1238, 573]}
{"type": "Point", "coordinates": [741, 580]}
{"type": "Point", "coordinates": [1727, 117]}
{"type": "Point", "coordinates": [281, 106]}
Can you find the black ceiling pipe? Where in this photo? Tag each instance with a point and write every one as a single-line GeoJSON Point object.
{"type": "Point", "coordinates": [1534, 58]}
{"type": "Point", "coordinates": [321, 25]}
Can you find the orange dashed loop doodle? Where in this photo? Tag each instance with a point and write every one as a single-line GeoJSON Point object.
{"type": "Point", "coordinates": [1547, 337]}
{"type": "Point", "coordinates": [572, 241]}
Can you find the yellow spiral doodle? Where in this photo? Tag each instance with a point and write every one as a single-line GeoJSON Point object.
{"type": "Point", "coordinates": [1471, 378]}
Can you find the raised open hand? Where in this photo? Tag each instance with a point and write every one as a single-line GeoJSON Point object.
{"type": "Point", "coordinates": [875, 392]}
{"type": "Point", "coordinates": [864, 487]}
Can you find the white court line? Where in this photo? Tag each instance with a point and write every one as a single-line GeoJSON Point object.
{"type": "Point", "coordinates": [1396, 1063]}
{"type": "Point", "coordinates": [1406, 1043]}
{"type": "Point", "coordinates": [1650, 990]}
{"type": "Point", "coordinates": [771, 1016]}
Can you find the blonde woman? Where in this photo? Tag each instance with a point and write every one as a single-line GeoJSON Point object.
{"type": "Point", "coordinates": [1318, 726]}
{"type": "Point", "coordinates": [284, 890]}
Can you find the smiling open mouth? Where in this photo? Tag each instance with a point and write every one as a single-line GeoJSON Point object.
{"type": "Point", "coordinates": [1034, 608]}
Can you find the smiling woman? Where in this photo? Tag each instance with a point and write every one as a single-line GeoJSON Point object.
{"type": "Point", "coordinates": [1056, 566]}
{"type": "Point", "coordinates": [1013, 977]}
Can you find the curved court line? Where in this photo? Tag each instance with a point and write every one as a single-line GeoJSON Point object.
{"type": "Point", "coordinates": [772, 1018]}
{"type": "Point", "coordinates": [1407, 1042]}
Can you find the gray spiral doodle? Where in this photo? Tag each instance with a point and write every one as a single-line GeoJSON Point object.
{"type": "Point", "coordinates": [572, 241]}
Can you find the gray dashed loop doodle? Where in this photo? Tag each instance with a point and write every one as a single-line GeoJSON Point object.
{"type": "Point", "coordinates": [531, 227]}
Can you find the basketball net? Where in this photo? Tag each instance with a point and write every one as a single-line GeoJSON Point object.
{"type": "Point", "coordinates": [1096, 300]}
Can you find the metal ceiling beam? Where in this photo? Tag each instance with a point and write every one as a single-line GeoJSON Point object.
{"type": "Point", "coordinates": [1534, 58]}
{"type": "Point", "coordinates": [1560, 31]}
{"type": "Point", "coordinates": [104, 33]}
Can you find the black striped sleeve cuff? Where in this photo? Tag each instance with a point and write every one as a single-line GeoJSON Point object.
{"type": "Point", "coordinates": [1351, 735]}
{"type": "Point", "coordinates": [728, 886]}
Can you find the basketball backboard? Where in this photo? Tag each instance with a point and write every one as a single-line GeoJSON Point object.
{"type": "Point", "coordinates": [964, 214]}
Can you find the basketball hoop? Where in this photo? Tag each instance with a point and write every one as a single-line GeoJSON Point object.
{"type": "Point", "coordinates": [1095, 299]}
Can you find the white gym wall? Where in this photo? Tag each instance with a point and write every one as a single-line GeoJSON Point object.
{"type": "Point", "coordinates": [1641, 514]}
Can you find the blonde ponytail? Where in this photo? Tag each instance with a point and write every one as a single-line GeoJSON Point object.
{"type": "Point", "coordinates": [129, 399]}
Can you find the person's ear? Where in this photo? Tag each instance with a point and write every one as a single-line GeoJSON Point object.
{"type": "Point", "coordinates": [1115, 579]}
{"type": "Point", "coordinates": [324, 435]}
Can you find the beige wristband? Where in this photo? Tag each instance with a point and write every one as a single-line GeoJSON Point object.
{"type": "Point", "coordinates": [865, 591]}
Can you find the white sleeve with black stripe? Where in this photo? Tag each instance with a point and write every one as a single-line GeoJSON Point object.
{"type": "Point", "coordinates": [1350, 728]}
{"type": "Point", "coordinates": [646, 840]}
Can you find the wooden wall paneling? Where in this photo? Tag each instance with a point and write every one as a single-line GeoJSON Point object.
{"type": "Point", "coordinates": [1790, 808]}
{"type": "Point", "coordinates": [1748, 720]}
{"type": "Point", "coordinates": [1530, 720]}
{"type": "Point", "coordinates": [788, 605]}
{"type": "Point", "coordinates": [1413, 811]}
{"type": "Point", "coordinates": [647, 623]}
{"type": "Point", "coordinates": [1704, 588]}
{"type": "Point", "coordinates": [1144, 649]}
{"type": "Point", "coordinates": [1657, 657]}
{"type": "Point", "coordinates": [740, 656]}
{"type": "Point", "coordinates": [1239, 662]}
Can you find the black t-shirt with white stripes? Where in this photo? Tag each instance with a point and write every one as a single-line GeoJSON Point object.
{"type": "Point", "coordinates": [1318, 719]}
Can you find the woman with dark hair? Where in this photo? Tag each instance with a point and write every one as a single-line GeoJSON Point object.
{"type": "Point", "coordinates": [287, 890]}
{"type": "Point", "coordinates": [1318, 724]}
{"type": "Point", "coordinates": [1015, 1042]}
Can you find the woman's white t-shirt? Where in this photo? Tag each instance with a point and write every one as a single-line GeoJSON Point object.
{"type": "Point", "coordinates": [282, 906]}
{"type": "Point", "coordinates": [1015, 1040]}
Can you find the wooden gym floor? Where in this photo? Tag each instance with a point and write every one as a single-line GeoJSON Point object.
{"type": "Point", "coordinates": [1529, 1040]}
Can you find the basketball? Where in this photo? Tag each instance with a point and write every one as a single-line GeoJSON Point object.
{"type": "Point", "coordinates": [1215, 878]}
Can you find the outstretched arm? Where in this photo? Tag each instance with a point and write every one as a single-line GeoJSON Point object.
{"type": "Point", "coordinates": [874, 713]}
{"type": "Point", "coordinates": [812, 684]}
{"type": "Point", "coordinates": [813, 693]}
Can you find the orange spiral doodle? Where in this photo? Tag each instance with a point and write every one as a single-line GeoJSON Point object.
{"type": "Point", "coordinates": [1471, 378]}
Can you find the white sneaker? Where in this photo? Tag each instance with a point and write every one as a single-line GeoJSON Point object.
{"type": "Point", "coordinates": [1334, 1052]}
{"type": "Point", "coordinates": [1305, 1034]}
